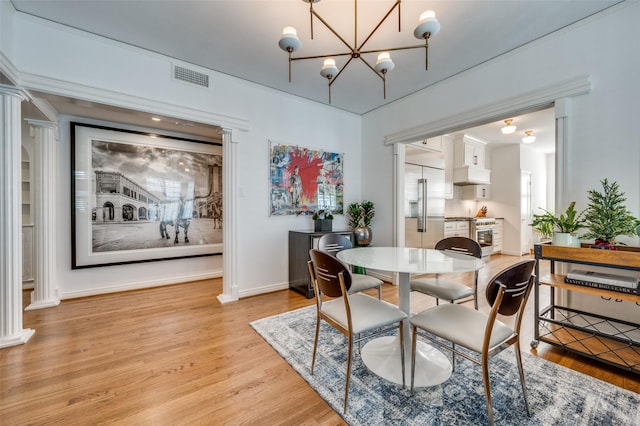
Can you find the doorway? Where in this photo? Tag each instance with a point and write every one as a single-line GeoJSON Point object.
{"type": "Point", "coordinates": [512, 194]}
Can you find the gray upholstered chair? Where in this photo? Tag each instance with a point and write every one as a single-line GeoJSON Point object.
{"type": "Point", "coordinates": [482, 335]}
{"type": "Point", "coordinates": [358, 316]}
{"type": "Point", "coordinates": [446, 289]}
{"type": "Point", "coordinates": [334, 243]}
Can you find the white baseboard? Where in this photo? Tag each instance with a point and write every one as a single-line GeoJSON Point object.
{"type": "Point", "coordinates": [136, 285]}
{"type": "Point", "coordinates": [263, 290]}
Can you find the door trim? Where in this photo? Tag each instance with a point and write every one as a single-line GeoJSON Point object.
{"type": "Point", "coordinates": [554, 95]}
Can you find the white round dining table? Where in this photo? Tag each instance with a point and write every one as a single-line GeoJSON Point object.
{"type": "Point", "coordinates": [382, 355]}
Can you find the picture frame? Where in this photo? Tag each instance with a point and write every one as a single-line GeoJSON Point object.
{"type": "Point", "coordinates": [138, 196]}
{"type": "Point", "coordinates": [305, 180]}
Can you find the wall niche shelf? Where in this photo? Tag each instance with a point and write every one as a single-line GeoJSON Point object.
{"type": "Point", "coordinates": [609, 340]}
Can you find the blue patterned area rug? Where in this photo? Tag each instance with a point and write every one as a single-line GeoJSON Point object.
{"type": "Point", "coordinates": [557, 395]}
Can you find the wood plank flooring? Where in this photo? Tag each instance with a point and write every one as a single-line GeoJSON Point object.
{"type": "Point", "coordinates": [175, 356]}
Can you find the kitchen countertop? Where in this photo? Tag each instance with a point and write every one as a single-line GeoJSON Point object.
{"type": "Point", "coordinates": [468, 218]}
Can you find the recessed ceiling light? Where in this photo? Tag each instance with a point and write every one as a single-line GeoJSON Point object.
{"type": "Point", "coordinates": [155, 119]}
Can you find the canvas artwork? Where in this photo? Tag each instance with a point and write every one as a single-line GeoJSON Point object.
{"type": "Point", "coordinates": [142, 198]}
{"type": "Point", "coordinates": [304, 180]}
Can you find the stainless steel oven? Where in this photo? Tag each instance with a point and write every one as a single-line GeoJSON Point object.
{"type": "Point", "coordinates": [482, 231]}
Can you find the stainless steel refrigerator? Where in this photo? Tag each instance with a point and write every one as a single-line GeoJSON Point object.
{"type": "Point", "coordinates": [424, 203]}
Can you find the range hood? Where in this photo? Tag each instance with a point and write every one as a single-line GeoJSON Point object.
{"type": "Point", "coordinates": [471, 175]}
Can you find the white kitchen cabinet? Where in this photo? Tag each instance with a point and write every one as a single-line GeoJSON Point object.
{"type": "Point", "coordinates": [497, 236]}
{"type": "Point", "coordinates": [469, 162]}
{"type": "Point", "coordinates": [476, 192]}
{"type": "Point", "coordinates": [468, 152]}
{"type": "Point", "coordinates": [456, 228]}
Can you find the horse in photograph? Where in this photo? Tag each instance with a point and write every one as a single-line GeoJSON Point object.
{"type": "Point", "coordinates": [216, 214]}
{"type": "Point", "coordinates": [177, 214]}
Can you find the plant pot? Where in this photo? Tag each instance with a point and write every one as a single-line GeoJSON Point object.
{"type": "Point", "coordinates": [362, 236]}
{"type": "Point", "coordinates": [603, 245]}
{"type": "Point", "coordinates": [565, 239]}
{"type": "Point", "coordinates": [323, 225]}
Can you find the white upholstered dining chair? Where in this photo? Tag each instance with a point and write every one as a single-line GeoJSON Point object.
{"type": "Point", "coordinates": [358, 316]}
{"type": "Point", "coordinates": [445, 288]}
{"type": "Point", "coordinates": [481, 335]}
{"type": "Point", "coordinates": [335, 243]}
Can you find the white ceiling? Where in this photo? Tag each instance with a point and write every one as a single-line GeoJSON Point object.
{"type": "Point", "coordinates": [240, 38]}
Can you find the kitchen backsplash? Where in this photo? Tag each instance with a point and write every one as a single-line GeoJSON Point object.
{"type": "Point", "coordinates": [458, 207]}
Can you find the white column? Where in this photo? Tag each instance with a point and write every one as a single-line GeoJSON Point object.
{"type": "Point", "coordinates": [11, 331]}
{"type": "Point", "coordinates": [230, 289]}
{"type": "Point", "coordinates": [562, 107]}
{"type": "Point", "coordinates": [45, 185]}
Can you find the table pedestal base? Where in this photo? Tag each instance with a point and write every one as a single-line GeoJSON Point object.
{"type": "Point", "coordinates": [382, 356]}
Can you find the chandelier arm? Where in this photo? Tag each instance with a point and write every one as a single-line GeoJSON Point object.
{"type": "Point", "coordinates": [426, 53]}
{"type": "Point", "coordinates": [311, 17]}
{"type": "Point", "coordinates": [333, 31]}
{"type": "Point", "coordinates": [321, 56]}
{"type": "Point", "coordinates": [391, 49]}
{"type": "Point", "coordinates": [384, 85]}
{"type": "Point", "coordinates": [334, 78]}
{"type": "Point", "coordinates": [396, 4]}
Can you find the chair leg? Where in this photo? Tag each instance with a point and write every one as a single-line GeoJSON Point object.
{"type": "Point", "coordinates": [521, 371]}
{"type": "Point", "coordinates": [475, 291]}
{"type": "Point", "coordinates": [346, 386]}
{"type": "Point", "coordinates": [413, 355]}
{"type": "Point", "coordinates": [487, 387]}
{"type": "Point", "coordinates": [380, 292]}
{"type": "Point", "coordinates": [453, 357]}
{"type": "Point", "coordinates": [402, 353]}
{"type": "Point", "coordinates": [315, 344]}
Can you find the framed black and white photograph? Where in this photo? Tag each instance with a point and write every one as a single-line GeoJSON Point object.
{"type": "Point", "coordinates": [139, 197]}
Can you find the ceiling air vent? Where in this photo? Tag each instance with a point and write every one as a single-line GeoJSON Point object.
{"type": "Point", "coordinates": [190, 76]}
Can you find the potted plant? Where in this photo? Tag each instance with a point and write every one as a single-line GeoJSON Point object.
{"type": "Point", "coordinates": [606, 216]}
{"type": "Point", "coordinates": [322, 220]}
{"type": "Point", "coordinates": [563, 229]}
{"type": "Point", "coordinates": [360, 216]}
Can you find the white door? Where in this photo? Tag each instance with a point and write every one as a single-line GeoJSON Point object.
{"type": "Point", "coordinates": [526, 238]}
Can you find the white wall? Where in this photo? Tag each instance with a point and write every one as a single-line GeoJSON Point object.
{"type": "Point", "coordinates": [601, 125]}
{"type": "Point", "coordinates": [603, 140]}
{"type": "Point", "coordinates": [505, 194]}
{"type": "Point", "coordinates": [80, 65]}
{"type": "Point", "coordinates": [535, 163]}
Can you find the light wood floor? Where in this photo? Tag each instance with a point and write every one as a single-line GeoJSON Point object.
{"type": "Point", "coordinates": [175, 356]}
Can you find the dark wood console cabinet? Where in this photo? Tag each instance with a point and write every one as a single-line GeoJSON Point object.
{"type": "Point", "coordinates": [300, 242]}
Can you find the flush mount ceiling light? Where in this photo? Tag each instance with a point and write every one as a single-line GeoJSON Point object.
{"type": "Point", "coordinates": [427, 26]}
{"type": "Point", "coordinates": [529, 138]}
{"type": "Point", "coordinates": [508, 129]}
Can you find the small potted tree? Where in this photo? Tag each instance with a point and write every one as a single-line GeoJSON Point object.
{"type": "Point", "coordinates": [563, 229]}
{"type": "Point", "coordinates": [606, 216]}
{"type": "Point", "coordinates": [360, 216]}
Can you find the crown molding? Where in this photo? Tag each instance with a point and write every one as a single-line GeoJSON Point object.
{"type": "Point", "coordinates": [126, 100]}
{"type": "Point", "coordinates": [526, 102]}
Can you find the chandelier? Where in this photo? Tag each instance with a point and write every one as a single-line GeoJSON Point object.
{"type": "Point", "coordinates": [427, 26]}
